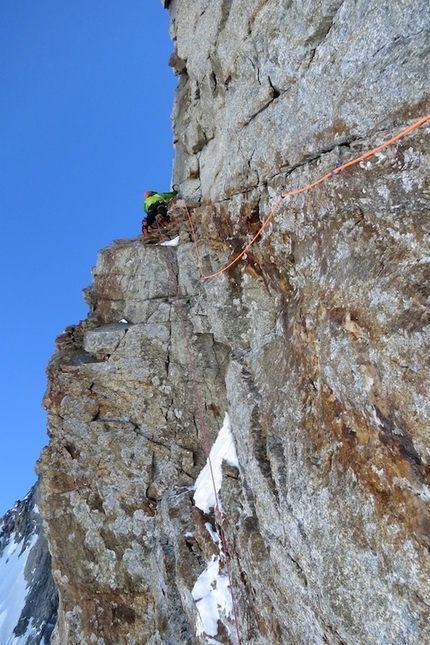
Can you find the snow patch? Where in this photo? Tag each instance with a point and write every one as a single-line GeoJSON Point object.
{"type": "Point", "coordinates": [209, 480]}
{"type": "Point", "coordinates": [173, 242]}
{"type": "Point", "coordinates": [211, 591]}
{"type": "Point", "coordinates": [214, 535]}
{"type": "Point", "coordinates": [213, 598]}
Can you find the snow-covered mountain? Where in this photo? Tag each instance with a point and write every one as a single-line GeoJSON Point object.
{"type": "Point", "coordinates": [28, 598]}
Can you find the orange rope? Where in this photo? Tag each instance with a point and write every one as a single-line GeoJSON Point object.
{"type": "Point", "coordinates": [297, 191]}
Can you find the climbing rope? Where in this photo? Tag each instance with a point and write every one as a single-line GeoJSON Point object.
{"type": "Point", "coordinates": [201, 416]}
{"type": "Point", "coordinates": [328, 175]}
{"type": "Point", "coordinates": [297, 191]}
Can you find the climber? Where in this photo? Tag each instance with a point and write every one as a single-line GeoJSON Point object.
{"type": "Point", "coordinates": [155, 208]}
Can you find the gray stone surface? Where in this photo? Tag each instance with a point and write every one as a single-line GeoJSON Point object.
{"type": "Point", "coordinates": [283, 82]}
{"type": "Point", "coordinates": [317, 344]}
{"type": "Point", "coordinates": [125, 449]}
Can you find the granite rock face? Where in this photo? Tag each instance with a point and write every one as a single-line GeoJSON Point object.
{"type": "Point", "coordinates": [125, 449]}
{"type": "Point", "coordinates": [317, 345]}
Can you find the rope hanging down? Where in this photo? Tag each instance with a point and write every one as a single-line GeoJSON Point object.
{"type": "Point", "coordinates": [201, 416]}
{"type": "Point", "coordinates": [297, 191]}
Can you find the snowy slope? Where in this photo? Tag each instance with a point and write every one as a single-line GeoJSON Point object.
{"type": "Point", "coordinates": [28, 599]}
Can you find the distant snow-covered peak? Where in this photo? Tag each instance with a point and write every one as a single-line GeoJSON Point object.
{"type": "Point", "coordinates": [28, 607]}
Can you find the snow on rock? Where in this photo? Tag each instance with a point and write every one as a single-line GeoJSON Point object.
{"type": "Point", "coordinates": [172, 242]}
{"type": "Point", "coordinates": [209, 480]}
{"type": "Point", "coordinates": [211, 590]}
{"type": "Point", "coordinates": [213, 598]}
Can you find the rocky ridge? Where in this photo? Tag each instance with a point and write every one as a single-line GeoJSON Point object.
{"type": "Point", "coordinates": [316, 344]}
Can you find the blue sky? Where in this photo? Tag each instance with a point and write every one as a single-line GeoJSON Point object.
{"type": "Point", "coordinates": [85, 102]}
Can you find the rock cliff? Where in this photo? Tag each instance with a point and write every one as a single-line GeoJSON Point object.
{"type": "Point", "coordinates": [316, 344]}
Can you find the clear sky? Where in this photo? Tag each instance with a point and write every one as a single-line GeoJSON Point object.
{"type": "Point", "coordinates": [85, 101]}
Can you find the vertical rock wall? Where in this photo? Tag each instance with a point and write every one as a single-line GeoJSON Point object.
{"type": "Point", "coordinates": [125, 448]}
{"type": "Point", "coordinates": [329, 399]}
{"type": "Point", "coordinates": [316, 344]}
